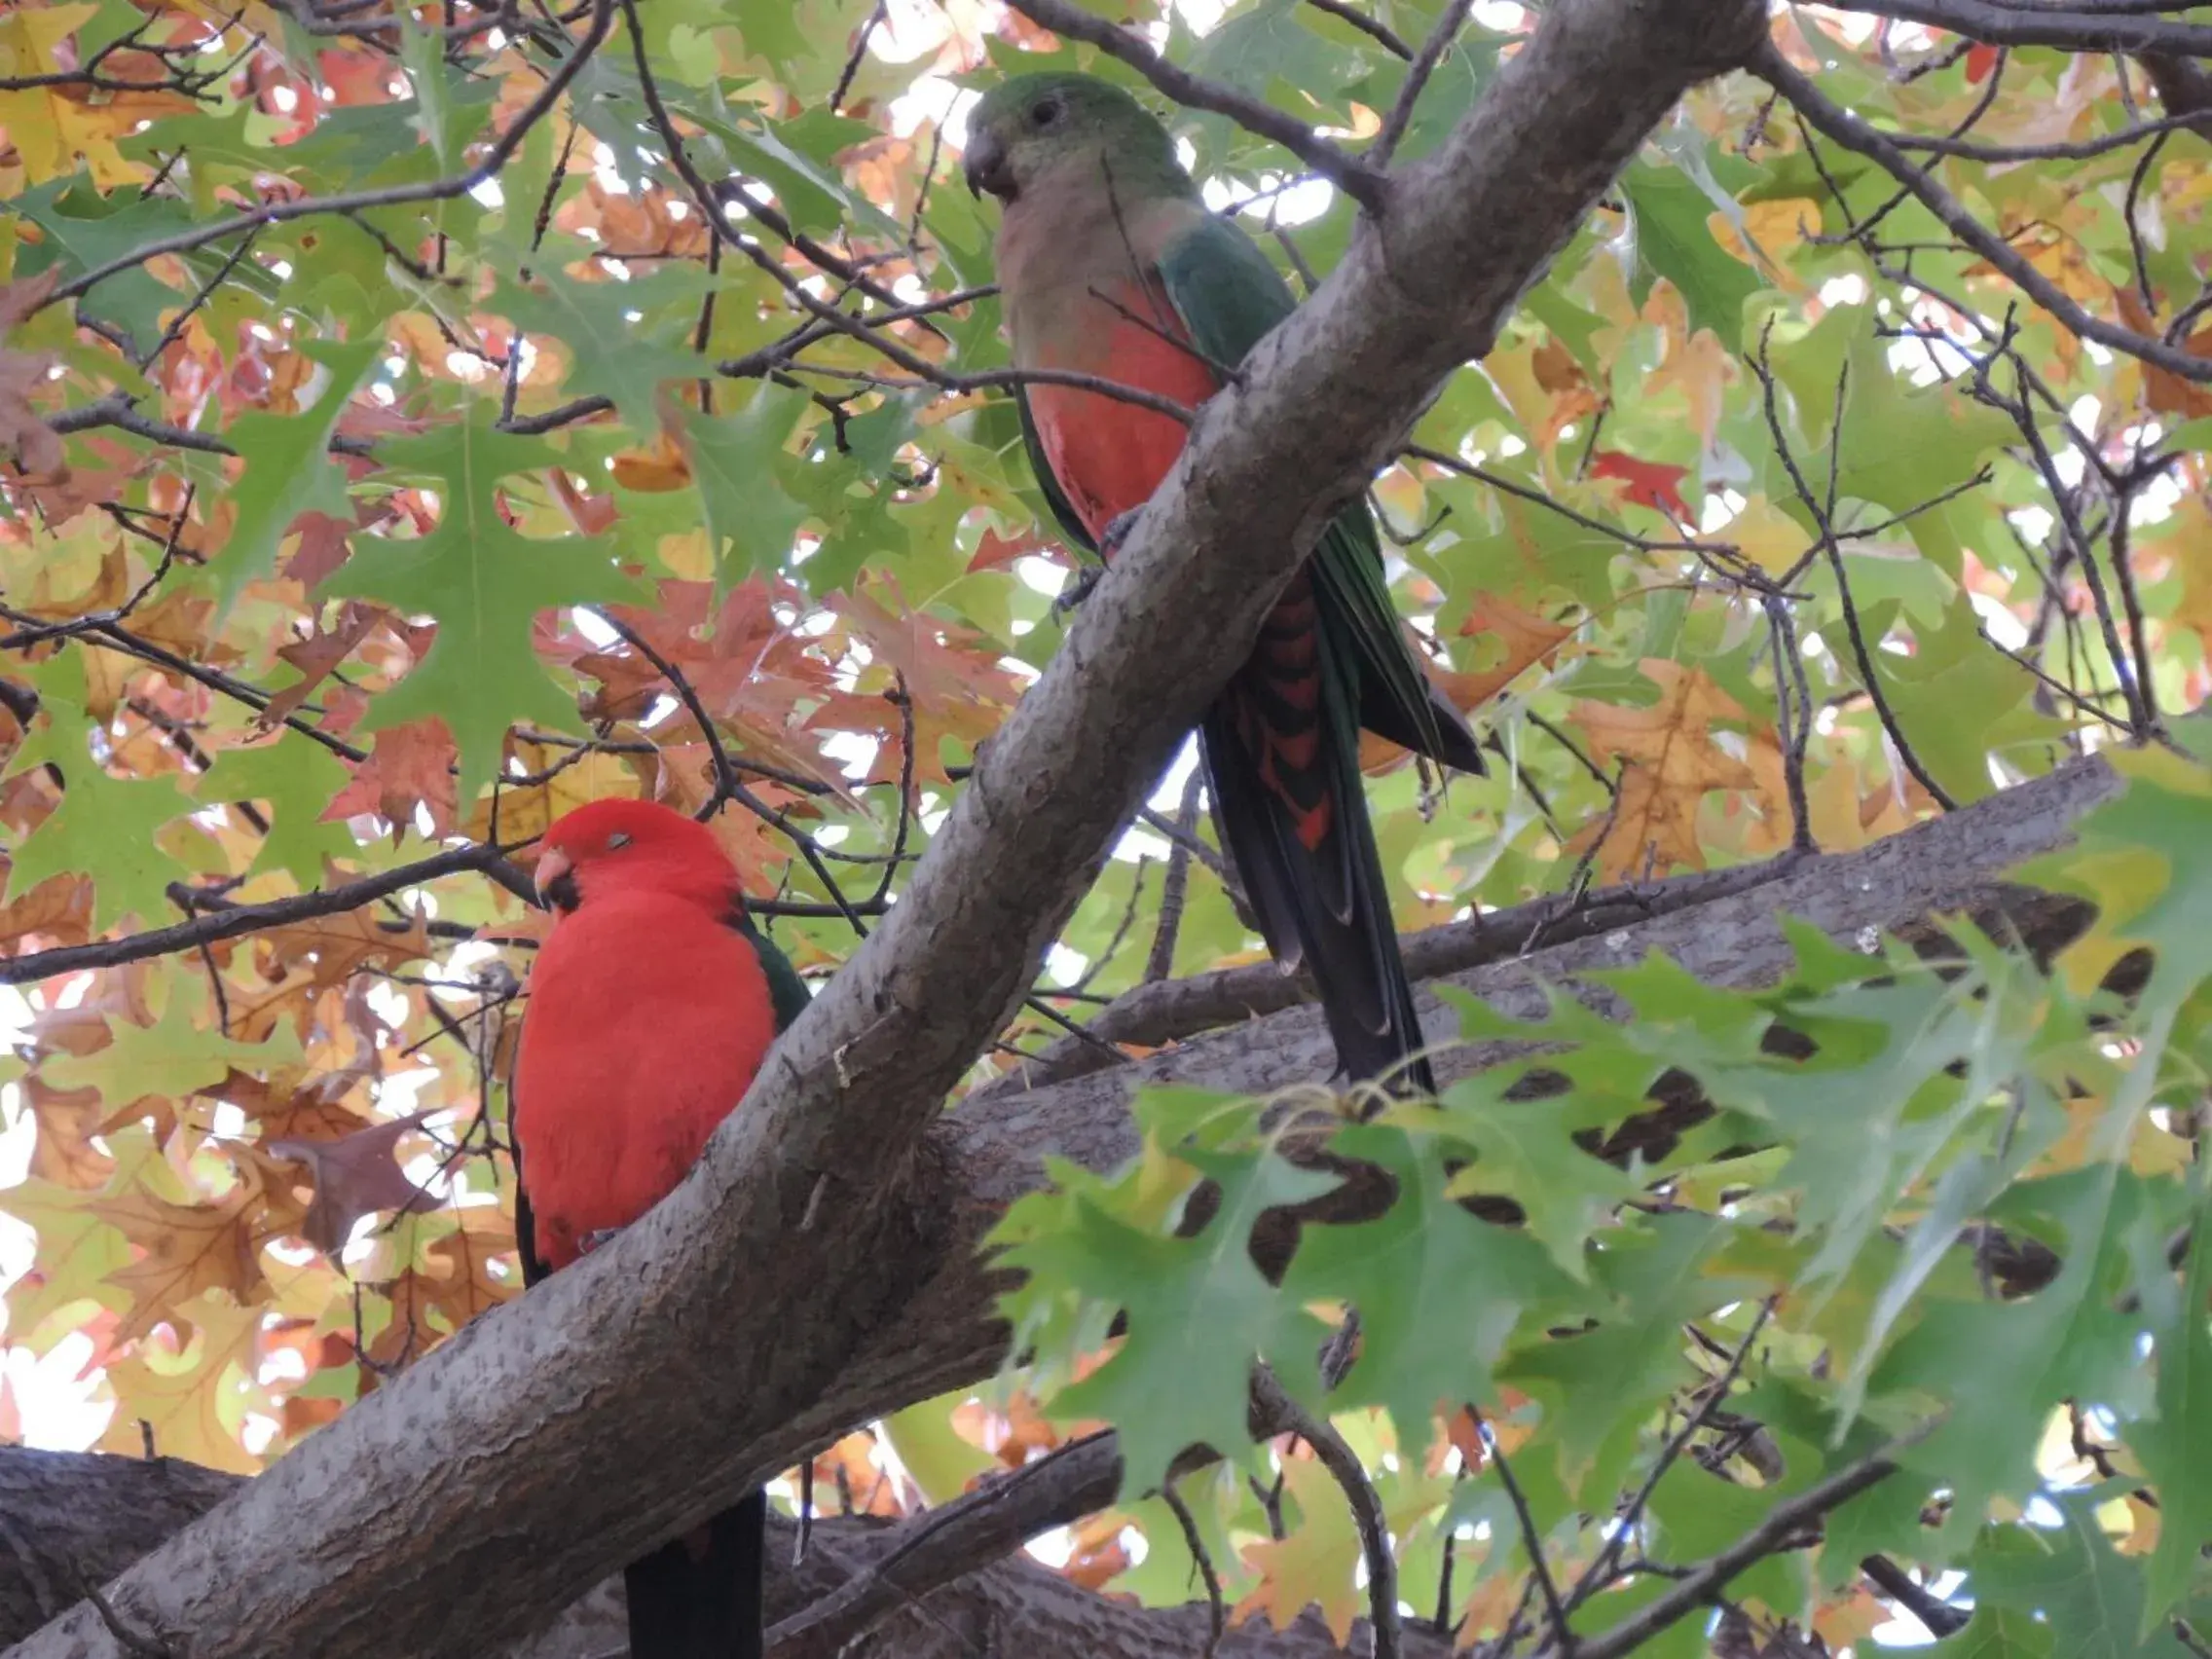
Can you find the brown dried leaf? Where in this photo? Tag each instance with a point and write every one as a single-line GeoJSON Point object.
{"type": "Point", "coordinates": [409, 763]}
{"type": "Point", "coordinates": [186, 1250]}
{"type": "Point", "coordinates": [1672, 761]}
{"type": "Point", "coordinates": [353, 1176]}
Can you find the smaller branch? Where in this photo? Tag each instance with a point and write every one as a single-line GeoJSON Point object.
{"type": "Point", "coordinates": [1594, 1577]}
{"type": "Point", "coordinates": [859, 52]}
{"type": "Point", "coordinates": [1861, 654]}
{"type": "Point", "coordinates": [1432, 50]}
{"type": "Point", "coordinates": [1159, 962]}
{"type": "Point", "coordinates": [495, 157]}
{"type": "Point", "coordinates": [1387, 37]}
{"type": "Point", "coordinates": [1697, 1588]}
{"type": "Point", "coordinates": [1848, 129]}
{"type": "Point", "coordinates": [1202, 1559]}
{"type": "Point", "coordinates": [2092, 28]}
{"type": "Point", "coordinates": [1554, 1611]}
{"type": "Point", "coordinates": [1282, 1414]}
{"type": "Point", "coordinates": [207, 929]}
{"type": "Point", "coordinates": [1936, 1615]}
{"type": "Point", "coordinates": [2080, 150]}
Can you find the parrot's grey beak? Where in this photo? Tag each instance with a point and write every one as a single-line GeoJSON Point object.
{"type": "Point", "coordinates": [988, 167]}
{"type": "Point", "coordinates": [556, 880]}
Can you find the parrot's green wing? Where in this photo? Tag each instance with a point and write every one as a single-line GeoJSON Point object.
{"type": "Point", "coordinates": [1228, 295]}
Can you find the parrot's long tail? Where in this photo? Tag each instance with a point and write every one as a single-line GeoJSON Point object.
{"type": "Point", "coordinates": [700, 1596]}
{"type": "Point", "coordinates": [1281, 748]}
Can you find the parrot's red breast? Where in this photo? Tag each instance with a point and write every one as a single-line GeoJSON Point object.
{"type": "Point", "coordinates": [649, 1012]}
{"type": "Point", "coordinates": [1109, 456]}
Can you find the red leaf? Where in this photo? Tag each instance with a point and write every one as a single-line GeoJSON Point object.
{"type": "Point", "coordinates": [1649, 483]}
{"type": "Point", "coordinates": [1981, 58]}
{"type": "Point", "coordinates": [409, 763]}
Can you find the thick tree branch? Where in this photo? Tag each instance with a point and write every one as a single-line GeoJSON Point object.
{"type": "Point", "coordinates": [2087, 29]}
{"type": "Point", "coordinates": [744, 1328]}
{"type": "Point", "coordinates": [932, 1584]}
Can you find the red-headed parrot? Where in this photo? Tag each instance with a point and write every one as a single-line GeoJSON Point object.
{"type": "Point", "coordinates": [652, 1003]}
{"type": "Point", "coordinates": [1110, 264]}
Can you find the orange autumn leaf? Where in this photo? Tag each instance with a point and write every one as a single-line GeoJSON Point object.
{"type": "Point", "coordinates": [410, 764]}
{"type": "Point", "coordinates": [1650, 484]}
{"type": "Point", "coordinates": [1669, 761]}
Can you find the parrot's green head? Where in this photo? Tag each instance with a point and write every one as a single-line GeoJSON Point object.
{"type": "Point", "coordinates": [1031, 127]}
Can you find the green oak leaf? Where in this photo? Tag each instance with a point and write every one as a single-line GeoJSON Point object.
{"type": "Point", "coordinates": [1674, 240]}
{"type": "Point", "coordinates": [2175, 1446]}
{"type": "Point", "coordinates": [298, 778]}
{"type": "Point", "coordinates": [2016, 1361]}
{"type": "Point", "coordinates": [484, 583]}
{"type": "Point", "coordinates": [288, 469]}
{"type": "Point", "coordinates": [738, 461]}
{"type": "Point", "coordinates": [2070, 1580]}
{"type": "Point", "coordinates": [1198, 1313]}
{"type": "Point", "coordinates": [617, 347]}
{"type": "Point", "coordinates": [184, 1050]}
{"type": "Point", "coordinates": [104, 826]}
{"type": "Point", "coordinates": [1526, 1151]}
{"type": "Point", "coordinates": [1439, 1292]}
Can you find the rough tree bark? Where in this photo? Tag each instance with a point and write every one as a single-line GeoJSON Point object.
{"type": "Point", "coordinates": [71, 1519]}
{"type": "Point", "coordinates": [556, 1438]}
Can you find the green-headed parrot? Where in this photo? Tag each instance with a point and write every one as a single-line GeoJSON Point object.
{"type": "Point", "coordinates": [1110, 264]}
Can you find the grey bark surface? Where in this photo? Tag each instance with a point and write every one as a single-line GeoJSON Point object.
{"type": "Point", "coordinates": [68, 1519]}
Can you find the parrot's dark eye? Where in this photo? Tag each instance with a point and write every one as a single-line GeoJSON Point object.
{"type": "Point", "coordinates": [1044, 112]}
{"type": "Point", "coordinates": [619, 840]}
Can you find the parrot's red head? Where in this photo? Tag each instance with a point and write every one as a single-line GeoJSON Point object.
{"type": "Point", "coordinates": [613, 846]}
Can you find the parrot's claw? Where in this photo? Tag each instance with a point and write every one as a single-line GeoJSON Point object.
{"type": "Point", "coordinates": [1087, 578]}
{"type": "Point", "coordinates": [1116, 532]}
{"type": "Point", "coordinates": [593, 1240]}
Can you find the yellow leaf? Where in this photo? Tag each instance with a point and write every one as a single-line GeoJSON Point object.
{"type": "Point", "coordinates": [530, 808]}
{"type": "Point", "coordinates": [1671, 761]}
{"type": "Point", "coordinates": [1766, 536]}
{"type": "Point", "coordinates": [193, 1401]}
{"type": "Point", "coordinates": [1775, 228]}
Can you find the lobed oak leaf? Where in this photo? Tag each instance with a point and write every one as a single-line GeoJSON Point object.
{"type": "Point", "coordinates": [2163, 388]}
{"type": "Point", "coordinates": [411, 764]}
{"type": "Point", "coordinates": [184, 1250]}
{"type": "Point", "coordinates": [58, 910]}
{"type": "Point", "coordinates": [355, 1176]}
{"type": "Point", "coordinates": [564, 778]}
{"type": "Point", "coordinates": [1650, 484]}
{"type": "Point", "coordinates": [334, 948]}
{"type": "Point", "coordinates": [190, 1399]}
{"type": "Point", "coordinates": [316, 657]}
{"type": "Point", "coordinates": [1672, 763]}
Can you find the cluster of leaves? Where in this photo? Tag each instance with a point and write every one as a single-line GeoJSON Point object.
{"type": "Point", "coordinates": [1937, 1220]}
{"type": "Point", "coordinates": [399, 455]}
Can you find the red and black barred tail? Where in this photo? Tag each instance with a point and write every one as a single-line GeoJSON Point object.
{"type": "Point", "coordinates": [700, 1596]}
{"type": "Point", "coordinates": [1281, 748]}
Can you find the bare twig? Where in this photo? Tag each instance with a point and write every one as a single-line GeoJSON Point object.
{"type": "Point", "coordinates": [1432, 50]}
{"type": "Point", "coordinates": [1844, 127]}
{"type": "Point", "coordinates": [1349, 173]}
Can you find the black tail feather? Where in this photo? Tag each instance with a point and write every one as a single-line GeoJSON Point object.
{"type": "Point", "coordinates": [1351, 948]}
{"type": "Point", "coordinates": [701, 1596]}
